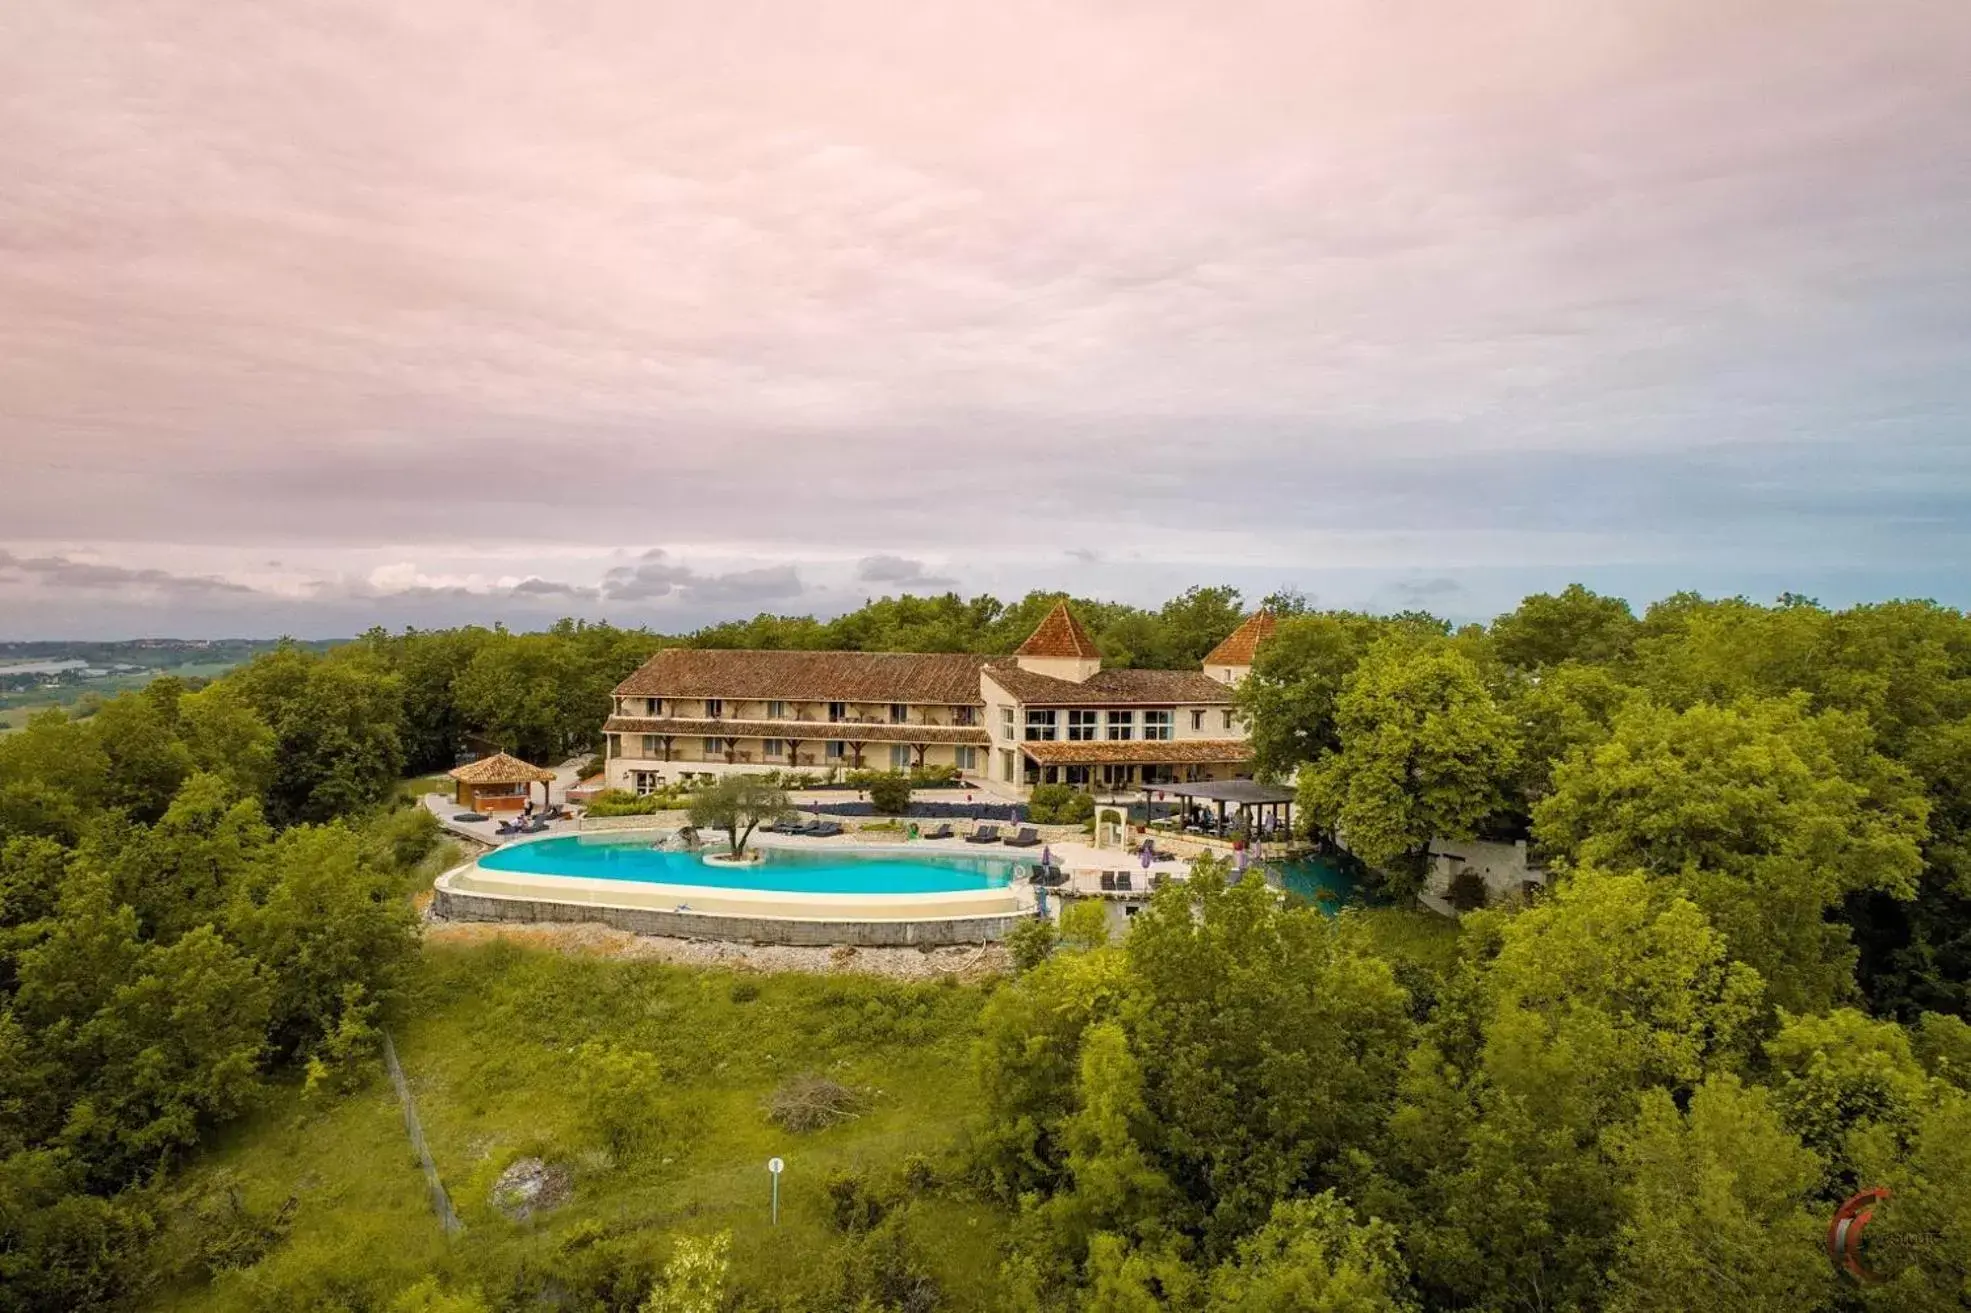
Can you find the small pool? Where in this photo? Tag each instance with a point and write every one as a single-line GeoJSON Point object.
{"type": "Point", "coordinates": [600, 857]}
{"type": "Point", "coordinates": [1325, 886]}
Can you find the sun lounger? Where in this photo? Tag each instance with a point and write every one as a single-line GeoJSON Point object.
{"type": "Point", "coordinates": [984, 834]}
{"type": "Point", "coordinates": [825, 830]}
{"type": "Point", "coordinates": [941, 832]}
{"type": "Point", "coordinates": [1024, 837]}
{"type": "Point", "coordinates": [508, 827]}
{"type": "Point", "coordinates": [471, 816]}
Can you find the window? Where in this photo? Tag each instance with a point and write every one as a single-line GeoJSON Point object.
{"type": "Point", "coordinates": [899, 713]}
{"type": "Point", "coordinates": [776, 711]}
{"type": "Point", "coordinates": [714, 707]}
{"type": "Point", "coordinates": [1197, 721]}
{"type": "Point", "coordinates": [1122, 724]}
{"type": "Point", "coordinates": [900, 756]}
{"type": "Point", "coordinates": [1006, 723]}
{"type": "Point", "coordinates": [1081, 725]}
{"type": "Point", "coordinates": [656, 706]}
{"type": "Point", "coordinates": [1156, 724]}
{"type": "Point", "coordinates": [646, 781]}
{"type": "Point", "coordinates": [837, 749]}
{"type": "Point", "coordinates": [1076, 775]}
{"type": "Point", "coordinates": [1228, 719]}
{"type": "Point", "coordinates": [1113, 775]}
{"type": "Point", "coordinates": [965, 758]}
{"type": "Point", "coordinates": [714, 746]}
{"type": "Point", "coordinates": [838, 711]}
{"type": "Point", "coordinates": [652, 746]}
{"type": "Point", "coordinates": [1040, 726]}
{"type": "Point", "coordinates": [963, 716]}
{"type": "Point", "coordinates": [771, 748]}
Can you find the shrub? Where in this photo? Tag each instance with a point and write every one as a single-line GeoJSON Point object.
{"type": "Point", "coordinates": [744, 990]}
{"type": "Point", "coordinates": [618, 802]}
{"type": "Point", "coordinates": [890, 793]}
{"type": "Point", "coordinates": [813, 1103]}
{"type": "Point", "coordinates": [1030, 942]}
{"type": "Point", "coordinates": [1085, 923]}
{"type": "Point", "coordinates": [854, 1206]}
{"type": "Point", "coordinates": [1467, 891]}
{"type": "Point", "coordinates": [1059, 804]}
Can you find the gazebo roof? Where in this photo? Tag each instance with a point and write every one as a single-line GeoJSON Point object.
{"type": "Point", "coordinates": [1241, 792]}
{"type": "Point", "coordinates": [501, 769]}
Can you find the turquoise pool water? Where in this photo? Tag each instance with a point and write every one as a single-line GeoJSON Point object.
{"type": "Point", "coordinates": [1311, 878]}
{"type": "Point", "coordinates": [600, 857]}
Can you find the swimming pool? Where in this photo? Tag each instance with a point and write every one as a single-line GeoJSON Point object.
{"type": "Point", "coordinates": [812, 871]}
{"type": "Point", "coordinates": [1311, 878]}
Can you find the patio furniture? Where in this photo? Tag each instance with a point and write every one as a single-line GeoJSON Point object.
{"type": "Point", "coordinates": [1108, 882]}
{"type": "Point", "coordinates": [1024, 837]}
{"type": "Point", "coordinates": [824, 830]}
{"type": "Point", "coordinates": [1123, 883]}
{"type": "Point", "coordinates": [984, 834]}
{"type": "Point", "coordinates": [470, 817]}
{"type": "Point", "coordinates": [940, 832]}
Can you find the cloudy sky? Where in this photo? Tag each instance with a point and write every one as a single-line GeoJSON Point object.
{"type": "Point", "coordinates": [322, 313]}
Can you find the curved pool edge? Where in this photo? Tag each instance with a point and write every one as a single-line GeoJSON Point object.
{"type": "Point", "coordinates": [470, 893]}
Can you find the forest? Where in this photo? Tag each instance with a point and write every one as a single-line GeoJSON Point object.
{"type": "Point", "coordinates": [1741, 1000]}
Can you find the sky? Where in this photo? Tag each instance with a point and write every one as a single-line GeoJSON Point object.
{"type": "Point", "coordinates": [319, 315]}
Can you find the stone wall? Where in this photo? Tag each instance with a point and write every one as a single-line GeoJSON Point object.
{"type": "Point", "coordinates": [929, 933]}
{"type": "Point", "coordinates": [655, 821]}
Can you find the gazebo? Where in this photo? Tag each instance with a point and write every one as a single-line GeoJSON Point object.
{"type": "Point", "coordinates": [1272, 804]}
{"type": "Point", "coordinates": [499, 783]}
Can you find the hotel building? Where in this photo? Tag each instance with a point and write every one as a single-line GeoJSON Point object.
{"type": "Point", "coordinates": [1047, 714]}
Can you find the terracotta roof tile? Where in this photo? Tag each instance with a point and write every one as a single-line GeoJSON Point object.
{"type": "Point", "coordinates": [1156, 688]}
{"type": "Point", "coordinates": [500, 769]}
{"type": "Point", "coordinates": [1059, 635]}
{"type": "Point", "coordinates": [686, 672]}
{"type": "Point", "coordinates": [1176, 752]}
{"type": "Point", "coordinates": [1242, 644]}
{"type": "Point", "coordinates": [807, 731]}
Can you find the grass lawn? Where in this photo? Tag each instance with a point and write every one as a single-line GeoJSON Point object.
{"type": "Point", "coordinates": [494, 1049]}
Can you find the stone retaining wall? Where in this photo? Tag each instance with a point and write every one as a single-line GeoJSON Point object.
{"type": "Point", "coordinates": [654, 821]}
{"type": "Point", "coordinates": [931, 933]}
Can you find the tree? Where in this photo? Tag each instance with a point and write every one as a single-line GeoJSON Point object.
{"type": "Point", "coordinates": [1424, 749]}
{"type": "Point", "coordinates": [738, 804]}
{"type": "Point", "coordinates": [1576, 625]}
{"type": "Point", "coordinates": [147, 760]}
{"type": "Point", "coordinates": [321, 918]}
{"type": "Point", "coordinates": [1290, 699]}
{"type": "Point", "coordinates": [1765, 815]}
{"type": "Point", "coordinates": [227, 739]}
{"type": "Point", "coordinates": [1313, 1257]}
{"type": "Point", "coordinates": [1717, 1207]}
{"type": "Point", "coordinates": [53, 775]}
{"type": "Point", "coordinates": [336, 722]}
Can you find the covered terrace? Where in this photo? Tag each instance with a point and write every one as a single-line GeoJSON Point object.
{"type": "Point", "coordinates": [1267, 808]}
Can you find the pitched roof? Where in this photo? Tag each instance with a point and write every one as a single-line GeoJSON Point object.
{"type": "Point", "coordinates": [1098, 752]}
{"type": "Point", "coordinates": [805, 731]}
{"type": "Point", "coordinates": [500, 769]}
{"type": "Point", "coordinates": [1059, 635]}
{"type": "Point", "coordinates": [1156, 688]}
{"type": "Point", "coordinates": [1242, 644]}
{"type": "Point", "coordinates": [685, 672]}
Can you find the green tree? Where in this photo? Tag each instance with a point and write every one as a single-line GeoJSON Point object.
{"type": "Point", "coordinates": [889, 793]}
{"type": "Point", "coordinates": [321, 918]}
{"type": "Point", "coordinates": [1717, 1207]}
{"type": "Point", "coordinates": [53, 775]}
{"type": "Point", "coordinates": [1424, 751]}
{"type": "Point", "coordinates": [1576, 625]}
{"type": "Point", "coordinates": [1313, 1257]}
{"type": "Point", "coordinates": [337, 727]}
{"type": "Point", "coordinates": [738, 804]}
{"type": "Point", "coordinates": [1291, 699]}
{"type": "Point", "coordinates": [147, 760]}
{"type": "Point", "coordinates": [1765, 815]}
{"type": "Point", "coordinates": [228, 739]}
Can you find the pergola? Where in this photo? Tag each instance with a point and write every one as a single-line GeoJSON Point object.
{"type": "Point", "coordinates": [1246, 795]}
{"type": "Point", "coordinates": [490, 780]}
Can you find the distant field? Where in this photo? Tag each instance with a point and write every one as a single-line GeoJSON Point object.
{"type": "Point", "coordinates": [17, 708]}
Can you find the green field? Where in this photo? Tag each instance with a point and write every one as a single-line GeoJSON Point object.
{"type": "Point", "coordinates": [493, 1051]}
